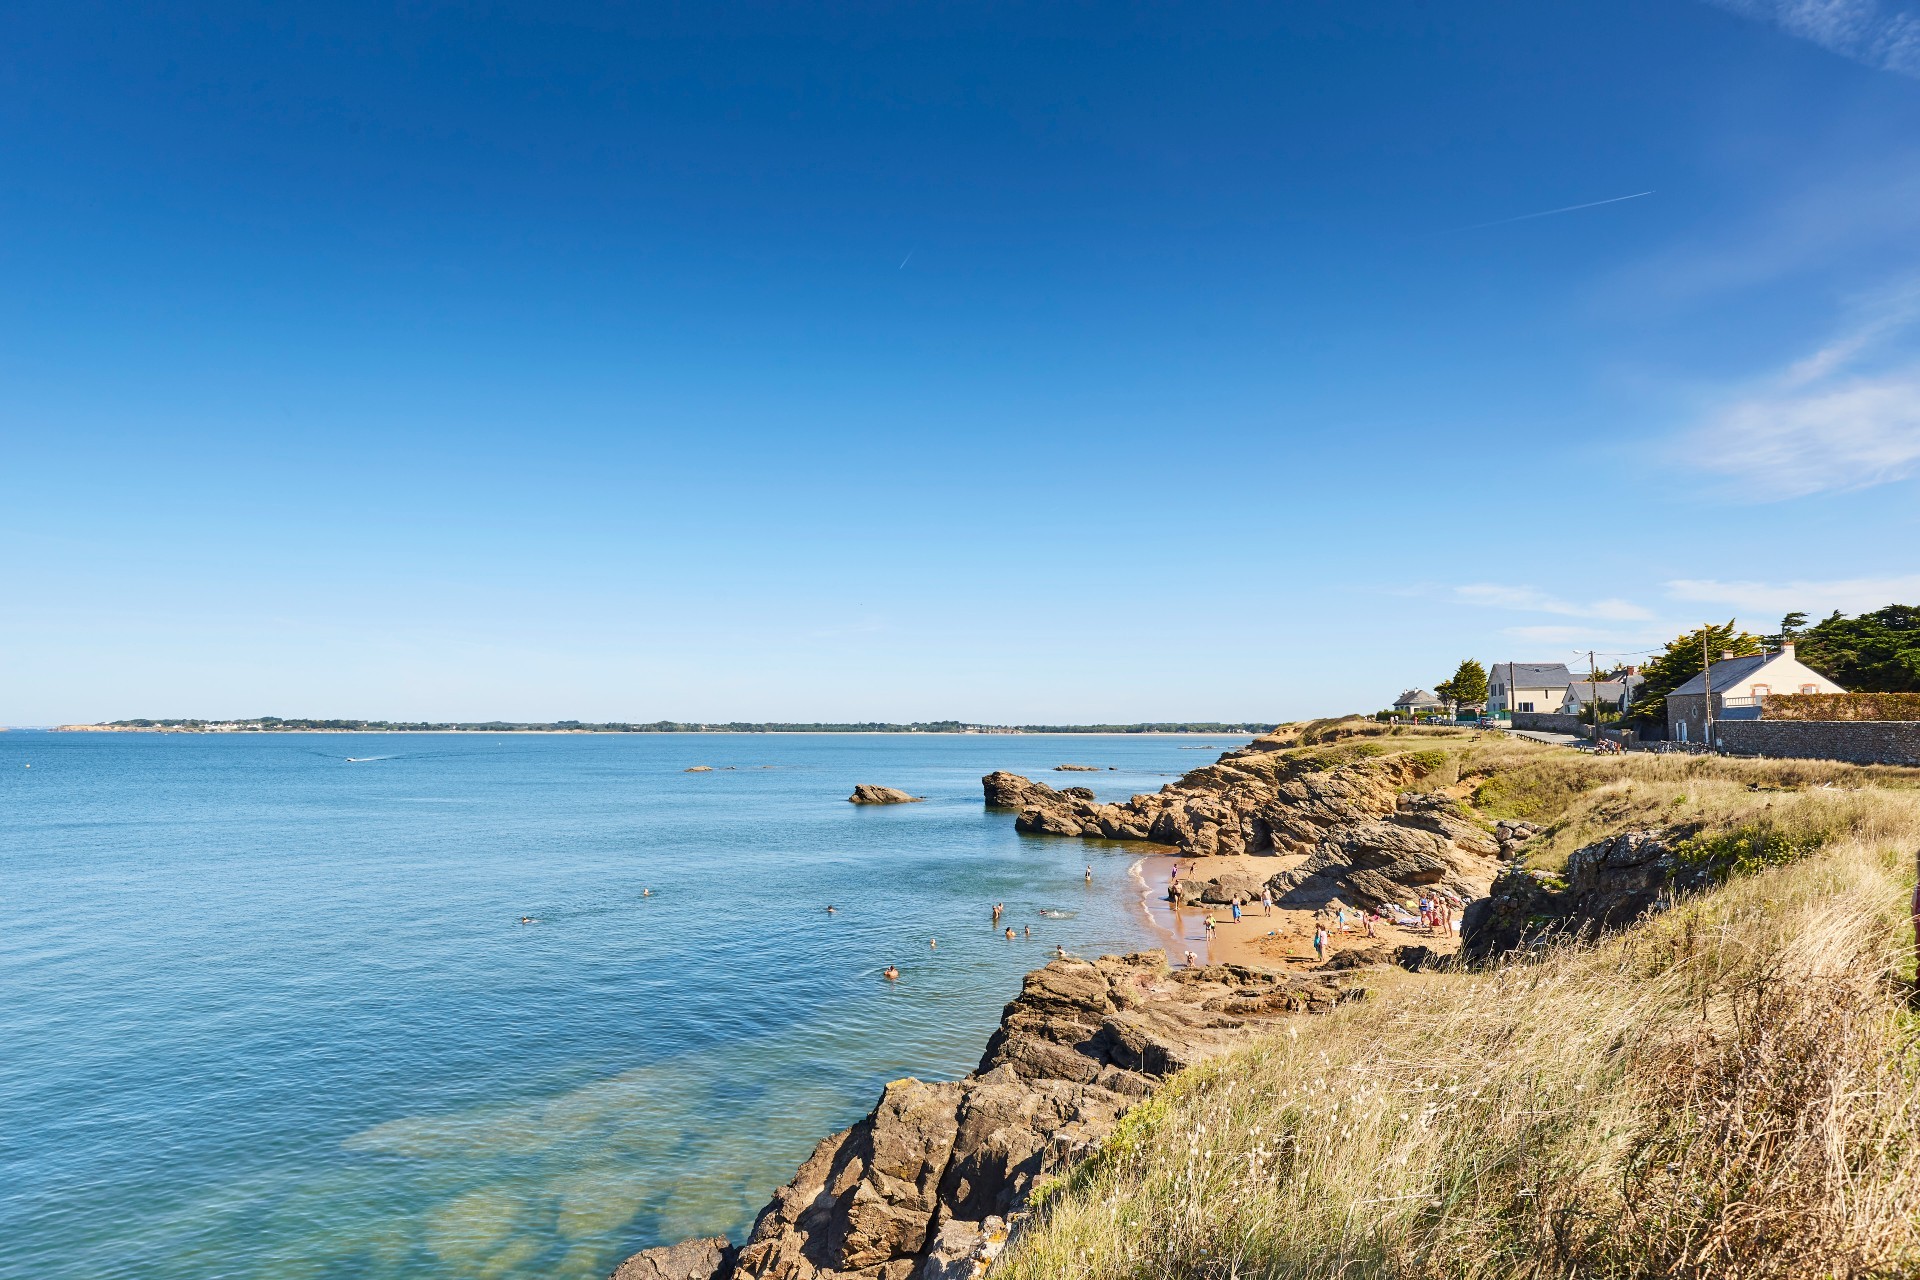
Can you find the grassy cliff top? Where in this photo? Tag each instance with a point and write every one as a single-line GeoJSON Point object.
{"type": "Point", "coordinates": [1731, 1089]}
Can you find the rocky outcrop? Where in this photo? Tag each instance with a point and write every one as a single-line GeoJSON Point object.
{"type": "Point", "coordinates": [1607, 885]}
{"type": "Point", "coordinates": [924, 1187]}
{"type": "Point", "coordinates": [1362, 837]}
{"type": "Point", "coordinates": [866, 793]}
{"type": "Point", "coordinates": [1011, 791]}
{"type": "Point", "coordinates": [688, 1260]}
{"type": "Point", "coordinates": [1076, 768]}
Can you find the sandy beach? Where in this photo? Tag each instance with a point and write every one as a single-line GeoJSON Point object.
{"type": "Point", "coordinates": [1283, 940]}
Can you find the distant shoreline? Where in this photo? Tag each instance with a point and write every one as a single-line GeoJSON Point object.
{"type": "Point", "coordinates": [616, 733]}
{"type": "Point", "coordinates": [1152, 729]}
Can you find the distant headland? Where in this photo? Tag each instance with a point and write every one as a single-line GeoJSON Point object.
{"type": "Point", "coordinates": [274, 724]}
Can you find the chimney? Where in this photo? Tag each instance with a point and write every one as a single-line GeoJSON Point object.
{"type": "Point", "coordinates": [1726, 655]}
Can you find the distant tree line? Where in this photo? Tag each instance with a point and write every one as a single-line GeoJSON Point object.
{"type": "Point", "coordinates": [276, 724]}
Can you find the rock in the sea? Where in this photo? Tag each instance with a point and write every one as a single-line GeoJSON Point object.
{"type": "Point", "coordinates": [699, 768]}
{"type": "Point", "coordinates": [1011, 791]}
{"type": "Point", "coordinates": [868, 794]}
{"type": "Point", "coordinates": [923, 1187]}
{"type": "Point", "coordinates": [1076, 768]}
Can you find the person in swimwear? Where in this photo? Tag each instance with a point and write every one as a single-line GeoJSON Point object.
{"type": "Point", "coordinates": [890, 973]}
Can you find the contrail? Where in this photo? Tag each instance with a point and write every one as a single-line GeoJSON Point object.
{"type": "Point", "coordinates": [1548, 213]}
{"type": "Point", "coordinates": [904, 261]}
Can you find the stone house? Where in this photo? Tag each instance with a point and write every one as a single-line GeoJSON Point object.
{"type": "Point", "coordinates": [1740, 689]}
{"type": "Point", "coordinates": [1528, 686]}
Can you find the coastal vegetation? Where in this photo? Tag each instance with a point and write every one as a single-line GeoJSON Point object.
{"type": "Point", "coordinates": [1728, 1089]}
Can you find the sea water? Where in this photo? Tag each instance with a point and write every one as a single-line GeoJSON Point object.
{"type": "Point", "coordinates": [267, 1008]}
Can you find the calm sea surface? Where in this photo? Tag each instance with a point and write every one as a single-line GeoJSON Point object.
{"type": "Point", "coordinates": [268, 1012]}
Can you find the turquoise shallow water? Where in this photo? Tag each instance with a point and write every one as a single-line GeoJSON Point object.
{"type": "Point", "coordinates": [270, 1013]}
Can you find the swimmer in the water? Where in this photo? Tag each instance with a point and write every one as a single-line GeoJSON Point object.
{"type": "Point", "coordinates": [526, 919]}
{"type": "Point", "coordinates": [933, 942]}
{"type": "Point", "coordinates": [1060, 951]}
{"type": "Point", "coordinates": [1009, 933]}
{"type": "Point", "coordinates": [1089, 873]}
{"type": "Point", "coordinates": [646, 893]}
{"type": "Point", "coordinates": [890, 973]}
{"type": "Point", "coordinates": [831, 910]}
{"type": "Point", "coordinates": [997, 909]}
{"type": "Point", "coordinates": [1029, 931]}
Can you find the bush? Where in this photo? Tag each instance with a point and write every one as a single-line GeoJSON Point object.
{"type": "Point", "coordinates": [1842, 706]}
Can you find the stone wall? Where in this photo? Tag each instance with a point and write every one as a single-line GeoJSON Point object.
{"type": "Point", "coordinates": [1689, 709]}
{"type": "Point", "coordinates": [1549, 722]}
{"type": "Point", "coordinates": [1858, 741]}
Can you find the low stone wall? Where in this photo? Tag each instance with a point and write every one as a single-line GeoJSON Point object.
{"type": "Point", "coordinates": [1549, 722]}
{"type": "Point", "coordinates": [1857, 741]}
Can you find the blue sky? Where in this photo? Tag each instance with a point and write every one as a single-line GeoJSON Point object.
{"type": "Point", "coordinates": [1007, 362]}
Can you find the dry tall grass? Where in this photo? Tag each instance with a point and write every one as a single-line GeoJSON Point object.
{"type": "Point", "coordinates": [1730, 1090]}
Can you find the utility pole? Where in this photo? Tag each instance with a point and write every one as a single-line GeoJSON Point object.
{"type": "Point", "coordinates": [1593, 695]}
{"type": "Point", "coordinates": [1706, 680]}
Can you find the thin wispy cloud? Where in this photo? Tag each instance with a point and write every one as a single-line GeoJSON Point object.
{"type": "Point", "coordinates": [1770, 600]}
{"type": "Point", "coordinates": [1828, 421]}
{"type": "Point", "coordinates": [1528, 600]}
{"type": "Point", "coordinates": [1881, 36]}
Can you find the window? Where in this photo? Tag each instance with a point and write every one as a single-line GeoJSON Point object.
{"type": "Point", "coordinates": [1808, 688]}
{"type": "Point", "coordinates": [1526, 706]}
{"type": "Point", "coordinates": [1761, 690]}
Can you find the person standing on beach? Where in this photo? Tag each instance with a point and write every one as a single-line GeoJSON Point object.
{"type": "Point", "coordinates": [1236, 908]}
{"type": "Point", "coordinates": [1320, 942]}
{"type": "Point", "coordinates": [1266, 901]}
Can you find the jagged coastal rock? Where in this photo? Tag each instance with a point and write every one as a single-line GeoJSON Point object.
{"type": "Point", "coordinates": [866, 793]}
{"type": "Point", "coordinates": [924, 1187]}
{"type": "Point", "coordinates": [1352, 831]}
{"type": "Point", "coordinates": [1607, 885]}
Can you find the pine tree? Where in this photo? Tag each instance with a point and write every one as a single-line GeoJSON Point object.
{"type": "Point", "coordinates": [1683, 659]}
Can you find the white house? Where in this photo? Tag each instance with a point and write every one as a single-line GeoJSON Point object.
{"type": "Point", "coordinates": [1527, 686]}
{"type": "Point", "coordinates": [1613, 695]}
{"type": "Point", "coordinates": [1740, 688]}
{"type": "Point", "coordinates": [1417, 700]}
